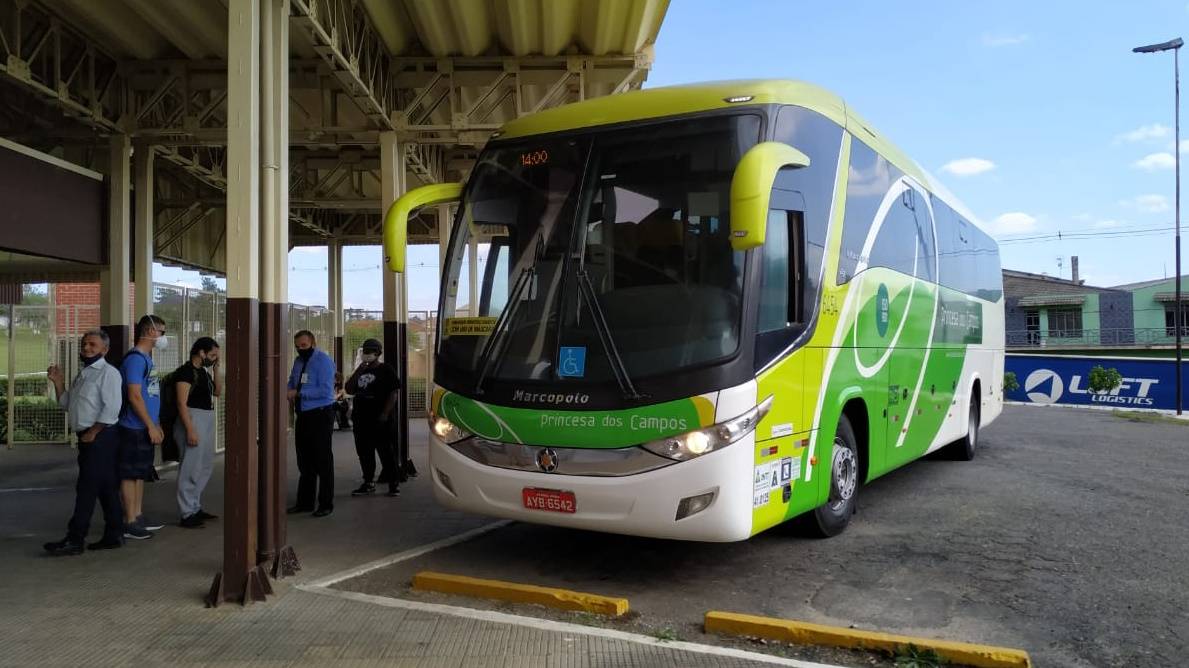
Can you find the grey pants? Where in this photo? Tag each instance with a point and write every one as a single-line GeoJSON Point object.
{"type": "Point", "coordinates": [197, 461]}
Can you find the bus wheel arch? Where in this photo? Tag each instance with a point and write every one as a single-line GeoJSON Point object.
{"type": "Point", "coordinates": [845, 473]}
{"type": "Point", "coordinates": [965, 448]}
{"type": "Point", "coordinates": [855, 410]}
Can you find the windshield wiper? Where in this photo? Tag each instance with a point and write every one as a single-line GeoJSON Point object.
{"type": "Point", "coordinates": [487, 356]}
{"type": "Point", "coordinates": [586, 290]}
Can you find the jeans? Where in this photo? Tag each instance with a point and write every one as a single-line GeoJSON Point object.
{"type": "Point", "coordinates": [98, 481]}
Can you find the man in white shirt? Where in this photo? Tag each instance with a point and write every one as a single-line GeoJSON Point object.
{"type": "Point", "coordinates": [93, 408]}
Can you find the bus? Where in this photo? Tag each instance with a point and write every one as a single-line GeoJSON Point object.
{"type": "Point", "coordinates": [697, 312]}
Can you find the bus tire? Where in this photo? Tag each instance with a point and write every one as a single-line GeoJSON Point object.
{"type": "Point", "coordinates": [963, 449]}
{"type": "Point", "coordinates": [832, 517]}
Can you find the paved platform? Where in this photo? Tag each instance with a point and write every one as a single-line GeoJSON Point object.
{"type": "Point", "coordinates": [142, 605]}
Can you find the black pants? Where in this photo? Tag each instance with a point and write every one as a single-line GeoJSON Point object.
{"type": "Point", "coordinates": [98, 480]}
{"type": "Point", "coordinates": [315, 461]}
{"type": "Point", "coordinates": [374, 437]}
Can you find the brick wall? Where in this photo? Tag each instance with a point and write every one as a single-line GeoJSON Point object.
{"type": "Point", "coordinates": [86, 296]}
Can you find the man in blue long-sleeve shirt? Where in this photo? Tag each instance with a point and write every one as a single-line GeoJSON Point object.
{"type": "Point", "coordinates": [311, 393]}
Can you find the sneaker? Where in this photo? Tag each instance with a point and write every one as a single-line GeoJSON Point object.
{"type": "Point", "coordinates": [191, 522]}
{"type": "Point", "coordinates": [296, 510]}
{"type": "Point", "coordinates": [393, 490]}
{"type": "Point", "coordinates": [106, 544]}
{"type": "Point", "coordinates": [323, 512]}
{"type": "Point", "coordinates": [63, 548]}
{"type": "Point", "coordinates": [364, 489]}
{"type": "Point", "coordinates": [205, 516]}
{"type": "Point", "coordinates": [136, 532]}
{"type": "Point", "coordinates": [147, 525]}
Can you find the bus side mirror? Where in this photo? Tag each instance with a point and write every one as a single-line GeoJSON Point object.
{"type": "Point", "coordinates": [396, 220]}
{"type": "Point", "coordinates": [751, 190]}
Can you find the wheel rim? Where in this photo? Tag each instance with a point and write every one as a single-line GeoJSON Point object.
{"type": "Point", "coordinates": [844, 469]}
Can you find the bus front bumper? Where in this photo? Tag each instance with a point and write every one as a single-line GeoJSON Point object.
{"type": "Point", "coordinates": [644, 504]}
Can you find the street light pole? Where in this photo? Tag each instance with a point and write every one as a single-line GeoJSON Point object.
{"type": "Point", "coordinates": [1178, 318]}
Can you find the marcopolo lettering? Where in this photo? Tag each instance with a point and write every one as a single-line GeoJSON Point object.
{"type": "Point", "coordinates": [572, 398]}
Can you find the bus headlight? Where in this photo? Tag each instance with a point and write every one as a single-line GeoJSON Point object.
{"type": "Point", "coordinates": [715, 437]}
{"type": "Point", "coordinates": [447, 430]}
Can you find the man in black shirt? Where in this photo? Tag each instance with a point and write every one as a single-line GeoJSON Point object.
{"type": "Point", "coordinates": [197, 384]}
{"type": "Point", "coordinates": [374, 386]}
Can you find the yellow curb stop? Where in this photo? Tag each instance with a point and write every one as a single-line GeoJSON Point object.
{"type": "Point", "coordinates": [805, 633]}
{"type": "Point", "coordinates": [562, 599]}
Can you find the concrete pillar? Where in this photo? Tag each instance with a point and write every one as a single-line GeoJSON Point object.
{"type": "Point", "coordinates": [334, 298]}
{"type": "Point", "coordinates": [142, 254]}
{"type": "Point", "coordinates": [241, 579]}
{"type": "Point", "coordinates": [115, 275]}
{"type": "Point", "coordinates": [276, 352]}
{"type": "Point", "coordinates": [393, 184]}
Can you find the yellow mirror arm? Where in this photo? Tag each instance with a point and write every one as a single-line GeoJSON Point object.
{"type": "Point", "coordinates": [396, 220]}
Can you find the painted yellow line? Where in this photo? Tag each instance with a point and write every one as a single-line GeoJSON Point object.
{"type": "Point", "coordinates": [787, 630]}
{"type": "Point", "coordinates": [562, 599]}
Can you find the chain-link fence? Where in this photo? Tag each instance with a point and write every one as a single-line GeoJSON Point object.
{"type": "Point", "coordinates": [33, 337]}
{"type": "Point", "coordinates": [361, 325]}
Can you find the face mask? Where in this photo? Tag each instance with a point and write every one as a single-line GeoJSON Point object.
{"type": "Point", "coordinates": [208, 362]}
{"type": "Point", "coordinates": [161, 343]}
{"type": "Point", "coordinates": [306, 353]}
{"type": "Point", "coordinates": [88, 361]}
{"type": "Point", "coordinates": [368, 358]}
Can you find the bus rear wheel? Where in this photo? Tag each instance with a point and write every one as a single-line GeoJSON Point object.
{"type": "Point", "coordinates": [832, 517]}
{"type": "Point", "coordinates": [963, 449]}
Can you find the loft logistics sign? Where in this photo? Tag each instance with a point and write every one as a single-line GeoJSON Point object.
{"type": "Point", "coordinates": [1053, 379]}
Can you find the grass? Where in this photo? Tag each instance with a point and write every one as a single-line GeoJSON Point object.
{"type": "Point", "coordinates": [666, 634]}
{"type": "Point", "coordinates": [33, 350]}
{"type": "Point", "coordinates": [1149, 417]}
{"type": "Point", "coordinates": [912, 656]}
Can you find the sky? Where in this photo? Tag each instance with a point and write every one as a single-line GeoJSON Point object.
{"type": "Point", "coordinates": [1035, 114]}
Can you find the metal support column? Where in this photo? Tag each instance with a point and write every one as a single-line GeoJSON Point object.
{"type": "Point", "coordinates": [334, 301]}
{"type": "Point", "coordinates": [473, 276]}
{"type": "Point", "coordinates": [115, 275]}
{"type": "Point", "coordinates": [142, 254]}
{"type": "Point", "coordinates": [241, 579]}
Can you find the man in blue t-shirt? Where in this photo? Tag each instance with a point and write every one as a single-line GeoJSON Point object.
{"type": "Point", "coordinates": [139, 431]}
{"type": "Point", "coordinates": [311, 392]}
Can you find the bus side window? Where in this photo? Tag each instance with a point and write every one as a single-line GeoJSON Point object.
{"type": "Point", "coordinates": [783, 266]}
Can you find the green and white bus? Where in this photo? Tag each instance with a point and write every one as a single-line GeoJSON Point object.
{"type": "Point", "coordinates": [702, 311]}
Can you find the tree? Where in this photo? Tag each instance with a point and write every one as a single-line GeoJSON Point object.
{"type": "Point", "coordinates": [1104, 380]}
{"type": "Point", "coordinates": [209, 284]}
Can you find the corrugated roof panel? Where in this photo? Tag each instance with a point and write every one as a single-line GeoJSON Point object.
{"type": "Point", "coordinates": [619, 26]}
{"type": "Point", "coordinates": [518, 27]}
{"type": "Point", "coordinates": [543, 27]}
{"type": "Point", "coordinates": [452, 27]}
{"type": "Point", "coordinates": [392, 22]}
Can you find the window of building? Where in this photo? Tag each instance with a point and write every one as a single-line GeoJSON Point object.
{"type": "Point", "coordinates": [1170, 326]}
{"type": "Point", "coordinates": [1065, 323]}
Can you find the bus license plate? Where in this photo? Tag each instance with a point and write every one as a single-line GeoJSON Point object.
{"type": "Point", "coordinates": [552, 500]}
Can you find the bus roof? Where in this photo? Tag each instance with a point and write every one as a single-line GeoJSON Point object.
{"type": "Point", "coordinates": [691, 98]}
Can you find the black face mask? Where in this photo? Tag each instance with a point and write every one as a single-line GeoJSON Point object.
{"type": "Point", "coordinates": [88, 361]}
{"type": "Point", "coordinates": [306, 353]}
{"type": "Point", "coordinates": [208, 363]}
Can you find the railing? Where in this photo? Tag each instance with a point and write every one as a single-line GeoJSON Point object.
{"type": "Point", "coordinates": [1100, 338]}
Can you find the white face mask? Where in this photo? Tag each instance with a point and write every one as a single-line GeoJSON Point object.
{"type": "Point", "coordinates": [368, 358]}
{"type": "Point", "coordinates": [161, 343]}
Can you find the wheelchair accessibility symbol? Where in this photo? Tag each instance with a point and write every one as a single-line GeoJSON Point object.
{"type": "Point", "coordinates": [573, 362]}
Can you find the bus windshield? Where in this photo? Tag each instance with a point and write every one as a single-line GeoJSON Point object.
{"type": "Point", "coordinates": [627, 226]}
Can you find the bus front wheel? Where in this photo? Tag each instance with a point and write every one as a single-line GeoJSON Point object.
{"type": "Point", "coordinates": [832, 517]}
